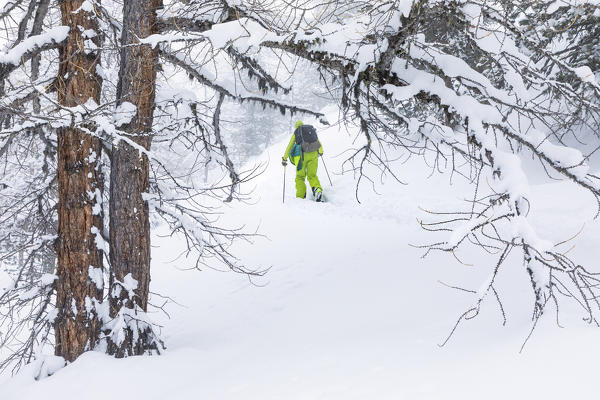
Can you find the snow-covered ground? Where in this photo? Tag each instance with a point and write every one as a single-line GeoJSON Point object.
{"type": "Point", "coordinates": [348, 309]}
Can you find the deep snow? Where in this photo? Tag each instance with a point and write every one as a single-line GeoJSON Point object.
{"type": "Point", "coordinates": [348, 309]}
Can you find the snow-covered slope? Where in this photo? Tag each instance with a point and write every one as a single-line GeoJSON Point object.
{"type": "Point", "coordinates": [348, 309]}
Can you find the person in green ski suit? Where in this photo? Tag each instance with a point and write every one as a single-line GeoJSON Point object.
{"type": "Point", "coordinates": [306, 166]}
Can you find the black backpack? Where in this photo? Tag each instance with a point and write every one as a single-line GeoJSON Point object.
{"type": "Point", "coordinates": [306, 137]}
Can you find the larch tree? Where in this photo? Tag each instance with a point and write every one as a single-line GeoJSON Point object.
{"type": "Point", "coordinates": [130, 180]}
{"type": "Point", "coordinates": [79, 283]}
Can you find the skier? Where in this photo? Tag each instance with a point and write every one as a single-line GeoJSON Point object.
{"type": "Point", "coordinates": [303, 151]}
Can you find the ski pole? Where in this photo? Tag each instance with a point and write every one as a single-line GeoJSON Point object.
{"type": "Point", "coordinates": [322, 159]}
{"type": "Point", "coordinates": [284, 167]}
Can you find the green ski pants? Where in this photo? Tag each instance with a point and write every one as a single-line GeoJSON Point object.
{"type": "Point", "coordinates": [308, 169]}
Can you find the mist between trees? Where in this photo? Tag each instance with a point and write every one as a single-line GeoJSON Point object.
{"type": "Point", "coordinates": [119, 116]}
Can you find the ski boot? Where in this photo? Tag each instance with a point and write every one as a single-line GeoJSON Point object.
{"type": "Point", "coordinates": [317, 194]}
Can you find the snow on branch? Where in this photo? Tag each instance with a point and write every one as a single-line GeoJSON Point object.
{"type": "Point", "coordinates": [195, 72]}
{"type": "Point", "coordinates": [477, 90]}
{"type": "Point", "coordinates": [33, 44]}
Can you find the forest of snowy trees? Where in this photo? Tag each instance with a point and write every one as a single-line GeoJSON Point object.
{"type": "Point", "coordinates": [113, 113]}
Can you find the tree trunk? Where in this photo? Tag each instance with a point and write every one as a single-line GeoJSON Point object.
{"type": "Point", "coordinates": [129, 180]}
{"type": "Point", "coordinates": [79, 180]}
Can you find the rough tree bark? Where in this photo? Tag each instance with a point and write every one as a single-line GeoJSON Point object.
{"type": "Point", "coordinates": [79, 177]}
{"type": "Point", "coordinates": [129, 179]}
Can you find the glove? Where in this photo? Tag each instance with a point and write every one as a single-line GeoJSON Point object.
{"type": "Point", "coordinates": [320, 153]}
{"type": "Point", "coordinates": [283, 161]}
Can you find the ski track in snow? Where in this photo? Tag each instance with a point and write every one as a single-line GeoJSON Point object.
{"type": "Point", "coordinates": [348, 310]}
